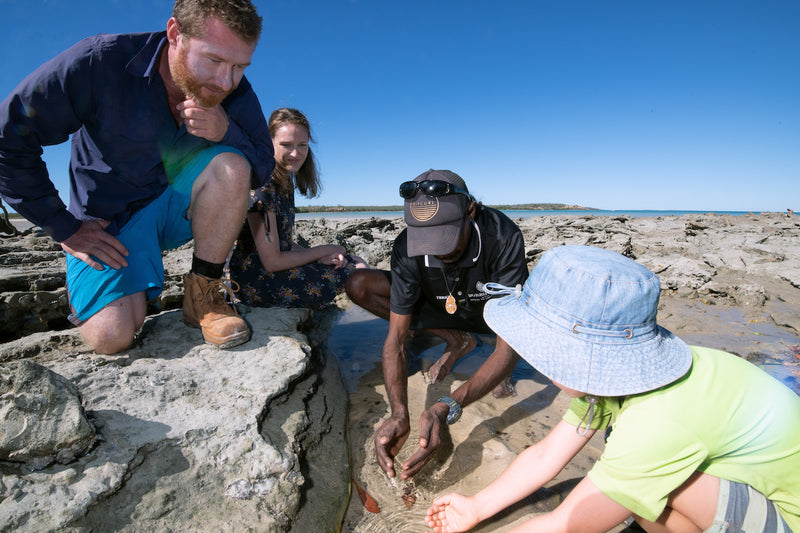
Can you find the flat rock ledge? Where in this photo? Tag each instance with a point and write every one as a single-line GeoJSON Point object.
{"type": "Point", "coordinates": [183, 437]}
{"type": "Point", "coordinates": [189, 438]}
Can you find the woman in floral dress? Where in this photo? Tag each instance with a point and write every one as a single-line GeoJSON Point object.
{"type": "Point", "coordinates": [271, 269]}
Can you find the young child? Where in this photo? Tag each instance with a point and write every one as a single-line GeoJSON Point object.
{"type": "Point", "coordinates": [702, 440]}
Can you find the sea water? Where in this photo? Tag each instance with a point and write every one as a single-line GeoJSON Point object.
{"type": "Point", "coordinates": [529, 213]}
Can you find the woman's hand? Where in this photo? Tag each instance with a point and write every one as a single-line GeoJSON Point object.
{"type": "Point", "coordinates": [452, 513]}
{"type": "Point", "coordinates": [334, 255]}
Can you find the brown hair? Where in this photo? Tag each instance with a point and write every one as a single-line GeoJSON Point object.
{"type": "Point", "coordinates": [305, 179]}
{"type": "Point", "coordinates": [239, 16]}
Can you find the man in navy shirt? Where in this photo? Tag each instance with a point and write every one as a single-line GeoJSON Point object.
{"type": "Point", "coordinates": [452, 246]}
{"type": "Point", "coordinates": [167, 135]}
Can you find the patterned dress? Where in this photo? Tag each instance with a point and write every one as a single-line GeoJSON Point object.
{"type": "Point", "coordinates": [313, 285]}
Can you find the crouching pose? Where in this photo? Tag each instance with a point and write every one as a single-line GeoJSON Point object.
{"type": "Point", "coordinates": [702, 440]}
{"type": "Point", "coordinates": [452, 244]}
{"type": "Point", "coordinates": [167, 138]}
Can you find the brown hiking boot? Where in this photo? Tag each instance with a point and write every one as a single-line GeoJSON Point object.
{"type": "Point", "coordinates": [204, 307]}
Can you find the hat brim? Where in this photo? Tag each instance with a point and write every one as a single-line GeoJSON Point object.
{"type": "Point", "coordinates": [602, 369]}
{"type": "Point", "coordinates": [434, 240]}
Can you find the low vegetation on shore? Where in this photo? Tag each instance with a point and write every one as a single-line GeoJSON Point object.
{"type": "Point", "coordinates": [363, 208]}
{"type": "Point", "coordinates": [503, 207]}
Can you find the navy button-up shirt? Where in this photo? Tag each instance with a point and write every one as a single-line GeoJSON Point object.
{"type": "Point", "coordinates": [107, 93]}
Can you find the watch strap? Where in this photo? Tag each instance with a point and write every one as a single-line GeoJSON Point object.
{"type": "Point", "coordinates": [455, 409]}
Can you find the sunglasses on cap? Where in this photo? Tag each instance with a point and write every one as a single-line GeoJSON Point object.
{"type": "Point", "coordinates": [408, 189]}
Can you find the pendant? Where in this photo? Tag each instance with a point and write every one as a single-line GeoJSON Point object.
{"type": "Point", "coordinates": [450, 304]}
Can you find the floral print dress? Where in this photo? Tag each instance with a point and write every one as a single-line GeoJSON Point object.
{"type": "Point", "coordinates": [313, 285]}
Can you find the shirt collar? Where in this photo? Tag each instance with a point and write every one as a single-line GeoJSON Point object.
{"type": "Point", "coordinates": [470, 257]}
{"type": "Point", "coordinates": [145, 63]}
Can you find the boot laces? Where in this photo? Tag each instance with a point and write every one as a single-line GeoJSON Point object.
{"type": "Point", "coordinates": [214, 293]}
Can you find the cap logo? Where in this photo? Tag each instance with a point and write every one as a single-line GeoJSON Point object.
{"type": "Point", "coordinates": [424, 210]}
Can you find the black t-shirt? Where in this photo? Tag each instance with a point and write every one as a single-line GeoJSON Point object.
{"type": "Point", "coordinates": [496, 253]}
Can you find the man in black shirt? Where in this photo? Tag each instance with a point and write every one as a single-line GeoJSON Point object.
{"type": "Point", "coordinates": [452, 246]}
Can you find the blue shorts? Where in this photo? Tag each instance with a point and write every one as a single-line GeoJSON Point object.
{"type": "Point", "coordinates": [742, 509]}
{"type": "Point", "coordinates": [160, 225]}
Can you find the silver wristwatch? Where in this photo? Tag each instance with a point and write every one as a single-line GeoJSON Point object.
{"type": "Point", "coordinates": [455, 409]}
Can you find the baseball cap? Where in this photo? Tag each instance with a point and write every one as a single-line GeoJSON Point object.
{"type": "Point", "coordinates": [434, 222]}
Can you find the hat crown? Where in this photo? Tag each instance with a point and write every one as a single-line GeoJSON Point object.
{"type": "Point", "coordinates": [593, 288]}
{"type": "Point", "coordinates": [443, 175]}
{"type": "Point", "coordinates": [586, 318]}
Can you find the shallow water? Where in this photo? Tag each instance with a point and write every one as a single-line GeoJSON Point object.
{"type": "Point", "coordinates": [494, 431]}
{"type": "Point", "coordinates": [750, 334]}
{"type": "Point", "coordinates": [357, 340]}
{"type": "Point", "coordinates": [477, 449]}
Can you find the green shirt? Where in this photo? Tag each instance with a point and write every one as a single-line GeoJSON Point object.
{"type": "Point", "coordinates": [725, 417]}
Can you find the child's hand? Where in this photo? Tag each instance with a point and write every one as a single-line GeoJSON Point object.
{"type": "Point", "coordinates": [451, 513]}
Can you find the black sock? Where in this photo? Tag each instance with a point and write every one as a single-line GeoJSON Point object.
{"type": "Point", "coordinates": [204, 268]}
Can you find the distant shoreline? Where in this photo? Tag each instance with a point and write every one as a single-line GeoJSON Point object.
{"type": "Point", "coordinates": [379, 208]}
{"type": "Point", "coordinates": [514, 211]}
{"type": "Point", "coordinates": [527, 213]}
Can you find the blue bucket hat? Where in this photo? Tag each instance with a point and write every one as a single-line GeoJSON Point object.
{"type": "Point", "coordinates": [586, 318]}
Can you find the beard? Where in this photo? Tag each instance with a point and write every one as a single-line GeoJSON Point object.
{"type": "Point", "coordinates": [188, 84]}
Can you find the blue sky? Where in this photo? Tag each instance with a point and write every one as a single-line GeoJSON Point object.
{"type": "Point", "coordinates": [674, 105]}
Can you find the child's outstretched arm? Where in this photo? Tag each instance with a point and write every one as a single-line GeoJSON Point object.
{"type": "Point", "coordinates": [528, 472]}
{"type": "Point", "coordinates": [586, 509]}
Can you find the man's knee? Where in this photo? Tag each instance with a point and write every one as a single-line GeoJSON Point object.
{"type": "Point", "coordinates": [109, 339]}
{"type": "Point", "coordinates": [224, 181]}
{"type": "Point", "coordinates": [354, 286]}
{"type": "Point", "coordinates": [113, 328]}
{"type": "Point", "coordinates": [363, 284]}
{"type": "Point", "coordinates": [230, 169]}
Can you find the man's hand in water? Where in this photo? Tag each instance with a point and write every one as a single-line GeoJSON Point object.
{"type": "Point", "coordinates": [432, 426]}
{"type": "Point", "coordinates": [389, 439]}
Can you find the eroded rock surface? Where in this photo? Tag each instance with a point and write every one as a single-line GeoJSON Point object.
{"type": "Point", "coordinates": [41, 415]}
{"type": "Point", "coordinates": [193, 438]}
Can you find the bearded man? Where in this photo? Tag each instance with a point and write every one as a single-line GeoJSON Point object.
{"type": "Point", "coordinates": [168, 137]}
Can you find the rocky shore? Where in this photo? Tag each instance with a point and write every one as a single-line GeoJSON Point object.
{"type": "Point", "coordinates": [173, 435]}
